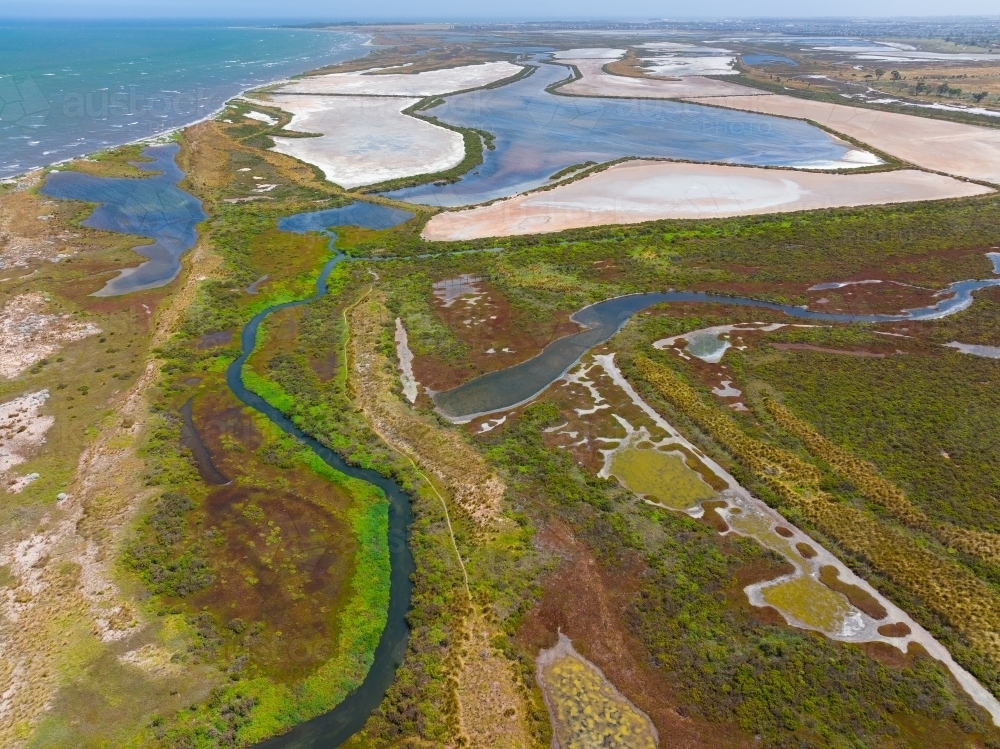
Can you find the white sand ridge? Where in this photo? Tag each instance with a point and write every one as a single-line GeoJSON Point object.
{"type": "Point", "coordinates": [377, 82]}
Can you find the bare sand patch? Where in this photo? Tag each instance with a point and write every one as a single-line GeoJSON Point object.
{"type": "Point", "coordinates": [366, 139]}
{"type": "Point", "coordinates": [22, 430]}
{"type": "Point", "coordinates": [27, 335]}
{"type": "Point", "coordinates": [596, 82]}
{"type": "Point", "coordinates": [939, 145]}
{"type": "Point", "coordinates": [589, 53]}
{"type": "Point", "coordinates": [427, 83]}
{"type": "Point", "coordinates": [638, 191]}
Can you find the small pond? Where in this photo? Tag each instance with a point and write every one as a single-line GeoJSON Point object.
{"type": "Point", "coordinates": [150, 206]}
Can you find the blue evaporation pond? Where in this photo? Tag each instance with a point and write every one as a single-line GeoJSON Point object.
{"type": "Point", "coordinates": [767, 60]}
{"type": "Point", "coordinates": [365, 215]}
{"type": "Point", "coordinates": [150, 206]}
{"type": "Point", "coordinates": [539, 133]}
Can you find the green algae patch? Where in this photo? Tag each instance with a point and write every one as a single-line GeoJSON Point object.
{"type": "Point", "coordinates": [759, 527]}
{"type": "Point", "coordinates": [664, 477]}
{"type": "Point", "coordinates": [811, 602]}
{"type": "Point", "coordinates": [585, 708]}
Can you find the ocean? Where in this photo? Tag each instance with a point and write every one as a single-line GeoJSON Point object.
{"type": "Point", "coordinates": [72, 88]}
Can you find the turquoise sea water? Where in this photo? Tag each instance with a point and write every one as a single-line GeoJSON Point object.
{"type": "Point", "coordinates": [69, 89]}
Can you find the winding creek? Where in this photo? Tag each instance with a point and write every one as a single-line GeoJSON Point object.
{"type": "Point", "coordinates": [493, 392]}
{"type": "Point", "coordinates": [508, 388]}
{"type": "Point", "coordinates": [333, 728]}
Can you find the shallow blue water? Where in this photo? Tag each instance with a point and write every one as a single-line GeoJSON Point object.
{"type": "Point", "coordinates": [539, 133]}
{"type": "Point", "coordinates": [68, 89]}
{"type": "Point", "coordinates": [767, 60]}
{"type": "Point", "coordinates": [506, 388]}
{"type": "Point", "coordinates": [365, 215]}
{"type": "Point", "coordinates": [151, 207]}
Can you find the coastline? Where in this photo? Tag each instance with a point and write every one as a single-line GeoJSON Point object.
{"type": "Point", "coordinates": [157, 138]}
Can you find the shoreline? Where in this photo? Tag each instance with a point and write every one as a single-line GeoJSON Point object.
{"type": "Point", "coordinates": [171, 131]}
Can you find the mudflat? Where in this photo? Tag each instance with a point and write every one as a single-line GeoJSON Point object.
{"type": "Point", "coordinates": [596, 82]}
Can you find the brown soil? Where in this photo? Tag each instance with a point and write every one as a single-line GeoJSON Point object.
{"type": "Point", "coordinates": [713, 518]}
{"type": "Point", "coordinates": [783, 531]}
{"type": "Point", "coordinates": [473, 325]}
{"type": "Point", "coordinates": [806, 550]}
{"type": "Point", "coordinates": [858, 597]}
{"type": "Point", "coordinates": [887, 654]}
{"type": "Point", "coordinates": [585, 602]}
{"type": "Point", "coordinates": [897, 629]}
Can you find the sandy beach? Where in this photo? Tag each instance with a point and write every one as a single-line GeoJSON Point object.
{"type": "Point", "coordinates": [638, 191]}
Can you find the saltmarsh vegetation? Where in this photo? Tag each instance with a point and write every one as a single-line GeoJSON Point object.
{"type": "Point", "coordinates": [788, 687]}
{"type": "Point", "coordinates": [279, 579]}
{"type": "Point", "coordinates": [730, 667]}
{"type": "Point", "coordinates": [687, 612]}
{"type": "Point", "coordinates": [948, 589]}
{"type": "Point", "coordinates": [767, 257]}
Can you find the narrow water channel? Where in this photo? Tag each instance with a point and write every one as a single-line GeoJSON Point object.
{"type": "Point", "coordinates": [507, 388]}
{"type": "Point", "coordinates": [335, 727]}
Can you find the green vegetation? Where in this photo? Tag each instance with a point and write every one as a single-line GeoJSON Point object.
{"type": "Point", "coordinates": [949, 590]}
{"type": "Point", "coordinates": [165, 557]}
{"type": "Point", "coordinates": [785, 685]}
{"type": "Point", "coordinates": [902, 414]}
{"type": "Point", "coordinates": [572, 168]}
{"type": "Point", "coordinates": [889, 462]}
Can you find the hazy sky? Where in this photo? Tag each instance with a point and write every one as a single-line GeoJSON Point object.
{"type": "Point", "coordinates": [466, 10]}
